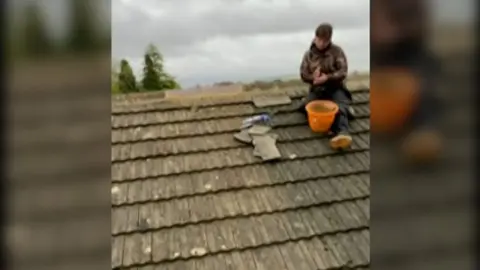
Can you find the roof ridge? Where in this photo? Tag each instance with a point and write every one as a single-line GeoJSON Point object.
{"type": "Point", "coordinates": [353, 85]}
{"type": "Point", "coordinates": [141, 104]}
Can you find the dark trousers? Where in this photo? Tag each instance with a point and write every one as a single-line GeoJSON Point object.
{"type": "Point", "coordinates": [426, 113]}
{"type": "Point", "coordinates": [341, 97]}
{"type": "Point", "coordinates": [429, 110]}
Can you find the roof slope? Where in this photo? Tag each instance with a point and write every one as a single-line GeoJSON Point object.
{"type": "Point", "coordinates": [186, 195]}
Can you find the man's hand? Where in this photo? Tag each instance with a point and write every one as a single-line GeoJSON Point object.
{"type": "Point", "coordinates": [316, 73]}
{"type": "Point", "coordinates": [322, 78]}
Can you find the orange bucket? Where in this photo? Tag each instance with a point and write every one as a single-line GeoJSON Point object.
{"type": "Point", "coordinates": [321, 114]}
{"type": "Point", "coordinates": [393, 95]}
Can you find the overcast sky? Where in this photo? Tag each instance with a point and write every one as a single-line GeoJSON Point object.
{"type": "Point", "coordinates": [215, 40]}
{"type": "Point", "coordinates": [230, 40]}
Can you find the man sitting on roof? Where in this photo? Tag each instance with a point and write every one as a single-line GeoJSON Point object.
{"type": "Point", "coordinates": [324, 67]}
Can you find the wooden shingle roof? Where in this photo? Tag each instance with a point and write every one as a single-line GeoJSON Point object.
{"type": "Point", "coordinates": [186, 195]}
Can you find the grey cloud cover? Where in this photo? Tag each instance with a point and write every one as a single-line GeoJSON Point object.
{"type": "Point", "coordinates": [210, 40]}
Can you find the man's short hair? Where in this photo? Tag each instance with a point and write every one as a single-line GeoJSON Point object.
{"type": "Point", "coordinates": [324, 31]}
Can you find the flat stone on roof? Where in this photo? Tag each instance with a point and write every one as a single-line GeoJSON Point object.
{"type": "Point", "coordinates": [271, 100]}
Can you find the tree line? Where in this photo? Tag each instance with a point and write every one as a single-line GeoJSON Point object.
{"type": "Point", "coordinates": [154, 77]}
{"type": "Point", "coordinates": [30, 37]}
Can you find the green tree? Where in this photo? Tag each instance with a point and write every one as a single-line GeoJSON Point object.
{"type": "Point", "coordinates": [83, 36]}
{"type": "Point", "coordinates": [116, 87]}
{"type": "Point", "coordinates": [154, 76]}
{"type": "Point", "coordinates": [36, 40]}
{"type": "Point", "coordinates": [115, 78]}
{"type": "Point", "coordinates": [126, 79]}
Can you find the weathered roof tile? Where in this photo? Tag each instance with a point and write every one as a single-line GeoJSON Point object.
{"type": "Point", "coordinates": [187, 195]}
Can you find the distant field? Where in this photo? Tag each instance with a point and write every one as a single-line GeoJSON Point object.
{"type": "Point", "coordinates": [355, 81]}
{"type": "Point", "coordinates": [294, 81]}
{"type": "Point", "coordinates": [357, 74]}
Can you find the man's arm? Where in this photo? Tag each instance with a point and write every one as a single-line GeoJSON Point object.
{"type": "Point", "coordinates": [341, 65]}
{"type": "Point", "coordinates": [305, 74]}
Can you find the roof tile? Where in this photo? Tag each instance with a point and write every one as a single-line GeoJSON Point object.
{"type": "Point", "coordinates": [186, 195]}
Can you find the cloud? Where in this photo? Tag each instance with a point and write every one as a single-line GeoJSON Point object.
{"type": "Point", "coordinates": [211, 40]}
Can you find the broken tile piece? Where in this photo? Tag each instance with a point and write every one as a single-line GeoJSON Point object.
{"type": "Point", "coordinates": [273, 135]}
{"type": "Point", "coordinates": [259, 130]}
{"type": "Point", "coordinates": [148, 135]}
{"type": "Point", "coordinates": [198, 251]}
{"type": "Point", "coordinates": [271, 100]}
{"type": "Point", "coordinates": [265, 147]}
{"type": "Point", "coordinates": [243, 136]}
{"type": "Point", "coordinates": [115, 190]}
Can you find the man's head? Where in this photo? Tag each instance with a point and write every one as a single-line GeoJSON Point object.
{"type": "Point", "coordinates": [323, 35]}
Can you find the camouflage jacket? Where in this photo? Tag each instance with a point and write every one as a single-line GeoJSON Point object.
{"type": "Point", "coordinates": [331, 61]}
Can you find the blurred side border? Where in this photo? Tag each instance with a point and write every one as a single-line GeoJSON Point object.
{"type": "Point", "coordinates": [57, 129]}
{"type": "Point", "coordinates": [437, 229]}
